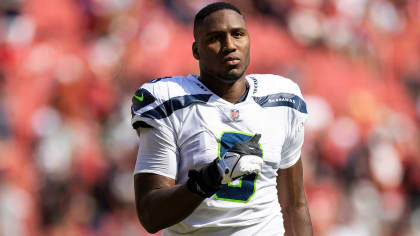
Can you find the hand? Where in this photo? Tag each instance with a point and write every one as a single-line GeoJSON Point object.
{"type": "Point", "coordinates": [205, 181]}
{"type": "Point", "coordinates": [241, 159]}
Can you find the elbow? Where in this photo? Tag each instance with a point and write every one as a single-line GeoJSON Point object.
{"type": "Point", "coordinates": [150, 228]}
{"type": "Point", "coordinates": [148, 223]}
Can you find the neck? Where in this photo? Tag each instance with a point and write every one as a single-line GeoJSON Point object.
{"type": "Point", "coordinates": [230, 92]}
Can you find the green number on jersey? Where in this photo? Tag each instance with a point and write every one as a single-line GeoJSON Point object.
{"type": "Point", "coordinates": [243, 191]}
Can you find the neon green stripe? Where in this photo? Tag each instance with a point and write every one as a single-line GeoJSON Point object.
{"type": "Point", "coordinates": [240, 201]}
{"type": "Point", "coordinates": [237, 185]}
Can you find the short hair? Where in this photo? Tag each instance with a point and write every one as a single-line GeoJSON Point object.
{"type": "Point", "coordinates": [207, 10]}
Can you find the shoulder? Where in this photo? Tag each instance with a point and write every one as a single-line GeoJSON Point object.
{"type": "Point", "coordinates": [276, 91]}
{"type": "Point", "coordinates": [267, 84]}
{"type": "Point", "coordinates": [168, 87]}
{"type": "Point", "coordinates": [160, 97]}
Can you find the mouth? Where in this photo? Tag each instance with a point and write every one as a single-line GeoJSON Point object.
{"type": "Point", "coordinates": [232, 61]}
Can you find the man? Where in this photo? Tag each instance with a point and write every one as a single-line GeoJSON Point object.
{"type": "Point", "coordinates": [220, 152]}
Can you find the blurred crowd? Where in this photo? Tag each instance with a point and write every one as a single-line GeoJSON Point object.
{"type": "Point", "coordinates": [69, 68]}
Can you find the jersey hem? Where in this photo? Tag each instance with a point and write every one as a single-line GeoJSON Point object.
{"type": "Point", "coordinates": [289, 164]}
{"type": "Point", "coordinates": [154, 172]}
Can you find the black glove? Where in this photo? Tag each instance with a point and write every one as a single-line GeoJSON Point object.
{"type": "Point", "coordinates": [206, 181]}
{"type": "Point", "coordinates": [241, 159]}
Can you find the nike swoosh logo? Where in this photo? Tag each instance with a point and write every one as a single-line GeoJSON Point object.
{"type": "Point", "coordinates": [139, 98]}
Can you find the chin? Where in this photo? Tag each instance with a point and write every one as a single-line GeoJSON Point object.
{"type": "Point", "coordinates": [232, 76]}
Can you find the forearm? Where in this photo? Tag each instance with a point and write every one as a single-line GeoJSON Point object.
{"type": "Point", "coordinates": [297, 221]}
{"type": "Point", "coordinates": [292, 199]}
{"type": "Point", "coordinates": [165, 207]}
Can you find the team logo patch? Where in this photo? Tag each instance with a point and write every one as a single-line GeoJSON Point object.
{"type": "Point", "coordinates": [234, 114]}
{"type": "Point", "coordinates": [142, 98]}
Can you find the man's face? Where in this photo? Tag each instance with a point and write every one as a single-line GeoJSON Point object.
{"type": "Point", "coordinates": [222, 46]}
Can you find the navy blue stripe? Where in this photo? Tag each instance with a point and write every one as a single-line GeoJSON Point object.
{"type": "Point", "coordinates": [168, 107]}
{"type": "Point", "coordinates": [282, 99]}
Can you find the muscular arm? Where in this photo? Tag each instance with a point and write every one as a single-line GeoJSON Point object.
{"type": "Point", "coordinates": [155, 194]}
{"type": "Point", "coordinates": [292, 200]}
{"type": "Point", "coordinates": [160, 203]}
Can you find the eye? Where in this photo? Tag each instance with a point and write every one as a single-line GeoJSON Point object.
{"type": "Point", "coordinates": [237, 34]}
{"type": "Point", "coordinates": [214, 37]}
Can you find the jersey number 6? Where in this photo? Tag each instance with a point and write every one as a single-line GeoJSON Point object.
{"type": "Point", "coordinates": [245, 189]}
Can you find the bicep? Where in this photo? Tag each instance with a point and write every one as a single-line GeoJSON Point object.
{"type": "Point", "coordinates": [156, 162]}
{"type": "Point", "coordinates": [144, 183]}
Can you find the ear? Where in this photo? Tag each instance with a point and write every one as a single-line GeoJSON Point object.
{"type": "Point", "coordinates": [195, 51]}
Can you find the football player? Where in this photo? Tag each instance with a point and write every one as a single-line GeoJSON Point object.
{"type": "Point", "coordinates": [219, 152]}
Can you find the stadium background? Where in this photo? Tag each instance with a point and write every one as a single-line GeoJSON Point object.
{"type": "Point", "coordinates": [68, 69]}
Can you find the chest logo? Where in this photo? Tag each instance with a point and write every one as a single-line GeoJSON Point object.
{"type": "Point", "coordinates": [234, 113]}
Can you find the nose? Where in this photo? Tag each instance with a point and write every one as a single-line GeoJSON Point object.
{"type": "Point", "coordinates": [229, 44]}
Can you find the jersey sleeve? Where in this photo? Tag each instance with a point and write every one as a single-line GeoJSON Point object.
{"type": "Point", "coordinates": [157, 152]}
{"type": "Point", "coordinates": [292, 146]}
{"type": "Point", "coordinates": [157, 141]}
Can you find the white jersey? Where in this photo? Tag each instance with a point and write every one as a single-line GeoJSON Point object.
{"type": "Point", "coordinates": [193, 126]}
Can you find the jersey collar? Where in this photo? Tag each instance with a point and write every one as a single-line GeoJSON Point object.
{"type": "Point", "coordinates": [215, 98]}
